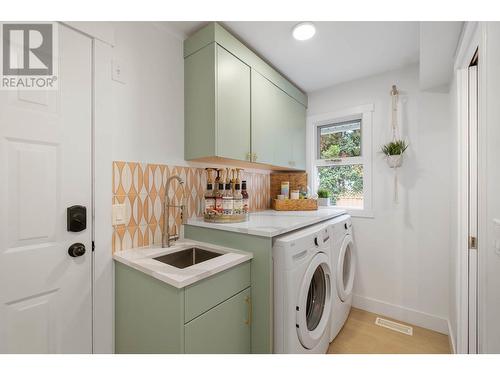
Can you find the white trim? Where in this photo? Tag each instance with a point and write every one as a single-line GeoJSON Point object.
{"type": "Point", "coordinates": [103, 263]}
{"type": "Point", "coordinates": [463, 203]}
{"type": "Point", "coordinates": [482, 175]}
{"type": "Point", "coordinates": [469, 41]}
{"type": "Point", "coordinates": [366, 113]}
{"type": "Point", "coordinates": [473, 204]}
{"type": "Point", "coordinates": [360, 213]}
{"type": "Point", "coordinates": [102, 31]}
{"type": "Point", "coordinates": [404, 314]}
{"type": "Point", "coordinates": [451, 338]}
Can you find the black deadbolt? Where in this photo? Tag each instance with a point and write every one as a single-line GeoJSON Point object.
{"type": "Point", "coordinates": [76, 218]}
{"type": "Point", "coordinates": [76, 250]}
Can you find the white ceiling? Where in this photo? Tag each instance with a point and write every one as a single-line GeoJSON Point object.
{"type": "Point", "coordinates": [339, 52]}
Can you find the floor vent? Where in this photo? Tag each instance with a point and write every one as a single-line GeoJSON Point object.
{"type": "Point", "coordinates": [398, 327]}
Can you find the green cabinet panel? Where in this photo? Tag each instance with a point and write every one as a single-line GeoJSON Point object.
{"type": "Point", "coordinates": [199, 104]}
{"type": "Point", "coordinates": [261, 275]}
{"type": "Point", "coordinates": [216, 105]}
{"type": "Point", "coordinates": [278, 125]}
{"type": "Point", "coordinates": [236, 105]}
{"type": "Point", "coordinates": [214, 32]}
{"type": "Point", "coordinates": [233, 106]}
{"type": "Point", "coordinates": [202, 296]}
{"type": "Point", "coordinates": [297, 133]}
{"type": "Point", "coordinates": [149, 314]}
{"type": "Point", "coordinates": [265, 134]}
{"type": "Point", "coordinates": [223, 329]}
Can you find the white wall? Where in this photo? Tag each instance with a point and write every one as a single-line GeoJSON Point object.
{"type": "Point", "coordinates": [148, 123]}
{"type": "Point", "coordinates": [489, 202]}
{"type": "Point", "coordinates": [403, 252]}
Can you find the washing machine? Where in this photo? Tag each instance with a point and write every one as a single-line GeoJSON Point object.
{"type": "Point", "coordinates": [303, 290]}
{"type": "Point", "coordinates": [343, 265]}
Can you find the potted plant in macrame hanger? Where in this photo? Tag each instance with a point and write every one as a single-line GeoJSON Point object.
{"type": "Point", "coordinates": [394, 151]}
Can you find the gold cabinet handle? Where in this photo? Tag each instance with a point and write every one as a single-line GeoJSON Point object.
{"type": "Point", "coordinates": [248, 301]}
{"type": "Point", "coordinates": [249, 156]}
{"type": "Point", "coordinates": [254, 157]}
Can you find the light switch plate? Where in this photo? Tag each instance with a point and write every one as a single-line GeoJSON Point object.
{"type": "Point", "coordinates": [117, 71]}
{"type": "Point", "coordinates": [119, 214]}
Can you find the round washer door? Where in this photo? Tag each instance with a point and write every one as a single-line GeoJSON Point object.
{"type": "Point", "coordinates": [314, 304]}
{"type": "Point", "coordinates": [346, 268]}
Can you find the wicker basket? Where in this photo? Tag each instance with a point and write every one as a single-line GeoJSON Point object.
{"type": "Point", "coordinates": [294, 204]}
{"type": "Point", "coordinates": [296, 180]}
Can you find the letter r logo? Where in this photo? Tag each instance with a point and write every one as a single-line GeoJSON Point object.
{"type": "Point", "coordinates": [27, 49]}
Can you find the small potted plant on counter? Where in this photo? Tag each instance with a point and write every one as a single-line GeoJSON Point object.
{"type": "Point", "coordinates": [323, 197]}
{"type": "Point", "coordinates": [393, 152]}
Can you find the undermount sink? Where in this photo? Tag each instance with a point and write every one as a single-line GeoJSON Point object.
{"type": "Point", "coordinates": [188, 257]}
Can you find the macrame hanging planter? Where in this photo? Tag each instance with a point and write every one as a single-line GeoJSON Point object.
{"type": "Point", "coordinates": [394, 150]}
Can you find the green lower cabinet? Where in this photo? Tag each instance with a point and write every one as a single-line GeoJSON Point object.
{"type": "Point", "coordinates": [223, 329]}
{"type": "Point", "coordinates": [210, 316]}
{"type": "Point", "coordinates": [261, 275]}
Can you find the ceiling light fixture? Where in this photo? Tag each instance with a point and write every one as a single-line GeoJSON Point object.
{"type": "Point", "coordinates": [304, 31]}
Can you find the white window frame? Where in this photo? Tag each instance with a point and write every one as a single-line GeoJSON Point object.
{"type": "Point", "coordinates": [363, 112]}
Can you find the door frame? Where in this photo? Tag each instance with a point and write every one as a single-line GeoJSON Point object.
{"type": "Point", "coordinates": [102, 129]}
{"type": "Point", "coordinates": [472, 40]}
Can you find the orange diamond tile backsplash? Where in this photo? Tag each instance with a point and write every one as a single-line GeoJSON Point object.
{"type": "Point", "coordinates": [141, 187]}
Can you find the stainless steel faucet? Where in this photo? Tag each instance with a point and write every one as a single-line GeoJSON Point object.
{"type": "Point", "coordinates": [166, 238]}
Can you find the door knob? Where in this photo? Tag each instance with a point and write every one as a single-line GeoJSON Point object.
{"type": "Point", "coordinates": [76, 250]}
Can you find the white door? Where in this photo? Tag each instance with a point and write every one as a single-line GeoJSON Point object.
{"type": "Point", "coordinates": [473, 210]}
{"type": "Point", "coordinates": [45, 167]}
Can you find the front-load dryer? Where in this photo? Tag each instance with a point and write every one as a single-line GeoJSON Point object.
{"type": "Point", "coordinates": [344, 269]}
{"type": "Point", "coordinates": [302, 290]}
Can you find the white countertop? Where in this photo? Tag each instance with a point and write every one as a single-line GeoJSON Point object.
{"type": "Point", "coordinates": [272, 223]}
{"type": "Point", "coordinates": [142, 260]}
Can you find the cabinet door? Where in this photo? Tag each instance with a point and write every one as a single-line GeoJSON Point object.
{"type": "Point", "coordinates": [223, 329]}
{"type": "Point", "coordinates": [264, 118]}
{"type": "Point", "coordinates": [297, 118]}
{"type": "Point", "coordinates": [278, 125]}
{"type": "Point", "coordinates": [233, 106]}
{"type": "Point", "coordinates": [284, 126]}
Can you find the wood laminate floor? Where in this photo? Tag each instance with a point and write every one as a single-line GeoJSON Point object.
{"type": "Point", "coordinates": [360, 335]}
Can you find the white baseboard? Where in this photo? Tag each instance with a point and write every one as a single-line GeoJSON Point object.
{"type": "Point", "coordinates": [404, 314]}
{"type": "Point", "coordinates": [451, 338]}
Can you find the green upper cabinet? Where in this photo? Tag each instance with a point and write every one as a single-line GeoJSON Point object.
{"type": "Point", "coordinates": [237, 106]}
{"type": "Point", "coordinates": [264, 119]}
{"type": "Point", "coordinates": [233, 106]}
{"type": "Point", "coordinates": [278, 125]}
{"type": "Point", "coordinates": [217, 105]}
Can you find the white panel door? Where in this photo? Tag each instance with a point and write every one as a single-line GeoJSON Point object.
{"type": "Point", "coordinates": [45, 167]}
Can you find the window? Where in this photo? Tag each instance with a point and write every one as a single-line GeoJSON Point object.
{"type": "Point", "coordinates": [340, 157]}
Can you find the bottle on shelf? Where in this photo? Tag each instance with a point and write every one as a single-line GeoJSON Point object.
{"type": "Point", "coordinates": [227, 199]}
{"type": "Point", "coordinates": [237, 199]}
{"type": "Point", "coordinates": [244, 194]}
{"type": "Point", "coordinates": [218, 198]}
{"type": "Point", "coordinates": [209, 193]}
{"type": "Point", "coordinates": [209, 199]}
